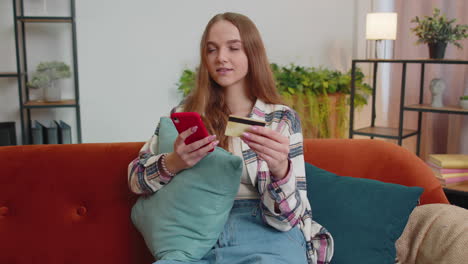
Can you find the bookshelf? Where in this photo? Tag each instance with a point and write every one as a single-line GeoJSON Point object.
{"type": "Point", "coordinates": [384, 132]}
{"type": "Point", "coordinates": [451, 109]}
{"type": "Point", "coordinates": [8, 75]}
{"type": "Point", "coordinates": [40, 104]}
{"type": "Point", "coordinates": [399, 133]}
{"type": "Point", "coordinates": [36, 19]}
{"type": "Point", "coordinates": [26, 105]}
{"type": "Point", "coordinates": [457, 194]}
{"type": "Point", "coordinates": [462, 187]}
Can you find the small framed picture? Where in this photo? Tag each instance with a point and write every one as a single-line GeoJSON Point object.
{"type": "Point", "coordinates": [7, 134]}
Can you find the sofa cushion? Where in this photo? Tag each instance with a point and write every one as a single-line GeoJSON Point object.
{"type": "Point", "coordinates": [364, 216]}
{"type": "Point", "coordinates": [183, 220]}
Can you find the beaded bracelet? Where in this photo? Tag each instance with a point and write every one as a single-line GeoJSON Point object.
{"type": "Point", "coordinates": [164, 168]}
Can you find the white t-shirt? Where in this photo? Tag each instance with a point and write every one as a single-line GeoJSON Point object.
{"type": "Point", "coordinates": [246, 188]}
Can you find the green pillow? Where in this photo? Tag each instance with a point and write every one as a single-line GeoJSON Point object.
{"type": "Point", "coordinates": [183, 220]}
{"type": "Point", "coordinates": [365, 216]}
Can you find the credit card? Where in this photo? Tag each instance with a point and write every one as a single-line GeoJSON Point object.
{"type": "Point", "coordinates": [237, 125]}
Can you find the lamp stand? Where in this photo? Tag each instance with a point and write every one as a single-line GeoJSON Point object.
{"type": "Point", "coordinates": [379, 49]}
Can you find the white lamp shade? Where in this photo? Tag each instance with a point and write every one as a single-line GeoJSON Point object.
{"type": "Point", "coordinates": [381, 26]}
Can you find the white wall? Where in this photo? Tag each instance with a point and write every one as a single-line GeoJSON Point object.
{"type": "Point", "coordinates": [131, 53]}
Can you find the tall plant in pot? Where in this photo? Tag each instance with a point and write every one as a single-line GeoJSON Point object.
{"type": "Point", "coordinates": [45, 77]}
{"type": "Point", "coordinates": [437, 31]}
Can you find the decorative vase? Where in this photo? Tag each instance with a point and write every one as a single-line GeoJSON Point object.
{"type": "Point", "coordinates": [437, 50]}
{"type": "Point", "coordinates": [52, 92]}
{"type": "Point", "coordinates": [437, 88]}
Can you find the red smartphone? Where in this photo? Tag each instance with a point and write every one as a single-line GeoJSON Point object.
{"type": "Point", "coordinates": [185, 120]}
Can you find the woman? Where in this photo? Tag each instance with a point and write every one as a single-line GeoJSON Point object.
{"type": "Point", "coordinates": [234, 78]}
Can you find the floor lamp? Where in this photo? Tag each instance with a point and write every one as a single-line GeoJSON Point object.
{"type": "Point", "coordinates": [381, 27]}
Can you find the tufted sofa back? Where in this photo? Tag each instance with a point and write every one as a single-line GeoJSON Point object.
{"type": "Point", "coordinates": [68, 204]}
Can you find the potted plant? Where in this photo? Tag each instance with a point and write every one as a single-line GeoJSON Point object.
{"type": "Point", "coordinates": [464, 101]}
{"type": "Point", "coordinates": [437, 31]}
{"type": "Point", "coordinates": [46, 75]}
{"type": "Point", "coordinates": [319, 95]}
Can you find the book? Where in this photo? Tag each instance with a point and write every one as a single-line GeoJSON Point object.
{"type": "Point", "coordinates": [7, 134]}
{"type": "Point", "coordinates": [51, 133]}
{"type": "Point", "coordinates": [64, 132]}
{"type": "Point", "coordinates": [450, 161]}
{"type": "Point", "coordinates": [453, 179]}
{"type": "Point", "coordinates": [452, 175]}
{"type": "Point", "coordinates": [37, 133]}
{"type": "Point", "coordinates": [458, 186]}
{"type": "Point", "coordinates": [448, 175]}
{"type": "Point", "coordinates": [444, 181]}
{"type": "Point", "coordinates": [443, 170]}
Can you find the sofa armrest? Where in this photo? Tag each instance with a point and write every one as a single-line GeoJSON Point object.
{"type": "Point", "coordinates": [374, 159]}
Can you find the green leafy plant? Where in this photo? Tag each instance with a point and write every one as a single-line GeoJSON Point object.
{"type": "Point", "coordinates": [47, 72]}
{"type": "Point", "coordinates": [308, 90]}
{"type": "Point", "coordinates": [439, 29]}
{"type": "Point", "coordinates": [464, 97]}
{"type": "Point", "coordinates": [311, 90]}
{"type": "Point", "coordinates": [294, 79]}
{"type": "Point", "coordinates": [186, 82]}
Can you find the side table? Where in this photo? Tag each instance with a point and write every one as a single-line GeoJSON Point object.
{"type": "Point", "coordinates": [457, 194]}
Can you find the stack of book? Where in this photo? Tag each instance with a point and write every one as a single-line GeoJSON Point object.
{"type": "Point", "coordinates": [449, 168]}
{"type": "Point", "coordinates": [51, 132]}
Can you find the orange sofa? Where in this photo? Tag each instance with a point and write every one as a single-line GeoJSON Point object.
{"type": "Point", "coordinates": [71, 204]}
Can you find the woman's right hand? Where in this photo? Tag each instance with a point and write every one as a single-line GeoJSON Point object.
{"type": "Point", "coordinates": [186, 156]}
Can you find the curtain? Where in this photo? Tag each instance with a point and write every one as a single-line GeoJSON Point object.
{"type": "Point", "coordinates": [441, 133]}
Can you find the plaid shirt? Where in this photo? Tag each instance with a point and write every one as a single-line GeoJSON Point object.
{"type": "Point", "coordinates": [289, 193]}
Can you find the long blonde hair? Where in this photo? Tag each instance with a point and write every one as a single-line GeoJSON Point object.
{"type": "Point", "coordinates": [208, 97]}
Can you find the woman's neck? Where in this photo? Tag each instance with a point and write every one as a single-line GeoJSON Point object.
{"type": "Point", "coordinates": [238, 102]}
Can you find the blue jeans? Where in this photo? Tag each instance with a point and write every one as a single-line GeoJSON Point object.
{"type": "Point", "coordinates": [246, 239]}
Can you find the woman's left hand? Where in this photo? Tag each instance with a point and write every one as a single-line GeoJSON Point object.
{"type": "Point", "coordinates": [270, 146]}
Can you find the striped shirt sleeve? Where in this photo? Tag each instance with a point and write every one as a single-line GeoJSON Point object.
{"type": "Point", "coordinates": [288, 193]}
{"type": "Point", "coordinates": [144, 175]}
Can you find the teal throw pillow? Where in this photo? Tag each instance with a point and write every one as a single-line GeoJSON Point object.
{"type": "Point", "coordinates": [365, 217]}
{"type": "Point", "coordinates": [183, 220]}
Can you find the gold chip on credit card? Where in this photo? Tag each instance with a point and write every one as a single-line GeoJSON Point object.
{"type": "Point", "coordinates": [237, 125]}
